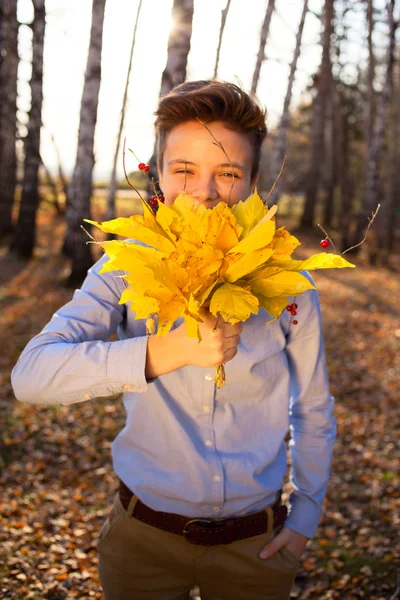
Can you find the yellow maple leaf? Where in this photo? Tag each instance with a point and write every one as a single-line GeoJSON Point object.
{"type": "Point", "coordinates": [233, 303]}
{"type": "Point", "coordinates": [249, 212]}
{"type": "Point", "coordinates": [259, 237]}
{"type": "Point", "coordinates": [283, 283]}
{"type": "Point", "coordinates": [242, 264]}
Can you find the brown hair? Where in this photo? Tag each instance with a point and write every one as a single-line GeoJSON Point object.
{"type": "Point", "coordinates": [211, 100]}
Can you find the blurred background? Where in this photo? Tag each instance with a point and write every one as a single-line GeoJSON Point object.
{"type": "Point", "coordinates": [77, 77]}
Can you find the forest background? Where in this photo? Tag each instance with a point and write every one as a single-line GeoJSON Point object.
{"type": "Point", "coordinates": [76, 78]}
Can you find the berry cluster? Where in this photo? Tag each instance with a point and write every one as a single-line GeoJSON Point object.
{"type": "Point", "coordinates": [143, 167]}
{"type": "Point", "coordinates": [153, 200]}
{"type": "Point", "coordinates": [292, 308]}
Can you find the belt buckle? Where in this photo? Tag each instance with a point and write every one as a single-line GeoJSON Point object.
{"type": "Point", "coordinates": [185, 532]}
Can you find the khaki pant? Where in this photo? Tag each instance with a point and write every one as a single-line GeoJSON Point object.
{"type": "Point", "coordinates": [140, 562]}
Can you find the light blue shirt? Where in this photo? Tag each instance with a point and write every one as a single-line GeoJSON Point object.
{"type": "Point", "coordinates": [187, 447]}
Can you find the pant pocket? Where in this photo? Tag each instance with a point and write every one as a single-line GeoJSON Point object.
{"type": "Point", "coordinates": [116, 513]}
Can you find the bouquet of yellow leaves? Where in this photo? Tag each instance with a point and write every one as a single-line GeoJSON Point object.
{"type": "Point", "coordinates": [231, 260]}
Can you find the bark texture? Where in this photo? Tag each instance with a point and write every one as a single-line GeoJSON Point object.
{"type": "Point", "coordinates": [263, 41]}
{"type": "Point", "coordinates": [80, 188]}
{"type": "Point", "coordinates": [24, 236]}
{"type": "Point", "coordinates": [110, 213]}
{"type": "Point", "coordinates": [8, 111]}
{"type": "Point", "coordinates": [224, 14]}
{"type": "Point", "coordinates": [281, 135]}
{"type": "Point", "coordinates": [178, 51]}
{"type": "Point", "coordinates": [318, 123]}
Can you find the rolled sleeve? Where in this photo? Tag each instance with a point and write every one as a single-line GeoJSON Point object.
{"type": "Point", "coordinates": [70, 360]}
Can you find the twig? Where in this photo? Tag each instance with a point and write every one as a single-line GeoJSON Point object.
{"type": "Point", "coordinates": [146, 174]}
{"type": "Point", "coordinates": [276, 180]}
{"type": "Point", "coordinates": [219, 144]}
{"type": "Point", "coordinates": [216, 323]}
{"type": "Point", "coordinates": [99, 243]}
{"type": "Point", "coordinates": [89, 234]}
{"type": "Point", "coordinates": [184, 183]}
{"type": "Point", "coordinates": [366, 233]}
{"type": "Point", "coordinates": [320, 226]}
{"type": "Point", "coordinates": [126, 176]}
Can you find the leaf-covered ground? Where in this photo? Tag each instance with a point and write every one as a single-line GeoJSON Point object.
{"type": "Point", "coordinates": [57, 483]}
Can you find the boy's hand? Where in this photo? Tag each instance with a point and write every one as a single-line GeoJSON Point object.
{"type": "Point", "coordinates": [216, 347]}
{"type": "Point", "coordinates": [175, 350]}
{"type": "Point", "coordinates": [295, 542]}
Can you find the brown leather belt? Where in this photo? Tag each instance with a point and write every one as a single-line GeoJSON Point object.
{"type": "Point", "coordinates": [207, 532]}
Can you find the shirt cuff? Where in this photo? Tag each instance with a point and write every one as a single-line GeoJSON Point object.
{"type": "Point", "coordinates": [304, 515]}
{"type": "Point", "coordinates": [126, 365]}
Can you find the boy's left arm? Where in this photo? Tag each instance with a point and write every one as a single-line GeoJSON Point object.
{"type": "Point", "coordinates": [312, 426]}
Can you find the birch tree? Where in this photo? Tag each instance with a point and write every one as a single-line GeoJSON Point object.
{"type": "Point", "coordinates": [110, 213]}
{"type": "Point", "coordinates": [393, 187]}
{"type": "Point", "coordinates": [263, 41]}
{"type": "Point", "coordinates": [80, 188]}
{"type": "Point", "coordinates": [281, 135]}
{"type": "Point", "coordinates": [8, 110]}
{"type": "Point", "coordinates": [318, 123]}
{"type": "Point", "coordinates": [224, 14]}
{"type": "Point", "coordinates": [370, 109]}
{"type": "Point", "coordinates": [371, 193]}
{"type": "Point", "coordinates": [23, 241]}
{"type": "Point", "coordinates": [177, 56]}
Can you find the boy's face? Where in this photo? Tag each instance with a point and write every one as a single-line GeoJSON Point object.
{"type": "Point", "coordinates": [207, 175]}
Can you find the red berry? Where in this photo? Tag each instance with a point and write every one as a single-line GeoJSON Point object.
{"type": "Point", "coordinates": [295, 322]}
{"type": "Point", "coordinates": [141, 166]}
{"type": "Point", "coordinates": [153, 201]}
{"type": "Point", "coordinates": [161, 198]}
{"type": "Point", "coordinates": [294, 306]}
{"type": "Point", "coordinates": [294, 312]}
{"type": "Point", "coordinates": [324, 243]}
{"type": "Point", "coordinates": [289, 307]}
{"type": "Point", "coordinates": [147, 168]}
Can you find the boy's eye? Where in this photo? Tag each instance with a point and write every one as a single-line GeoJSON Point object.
{"type": "Point", "coordinates": [230, 174]}
{"type": "Point", "coordinates": [183, 171]}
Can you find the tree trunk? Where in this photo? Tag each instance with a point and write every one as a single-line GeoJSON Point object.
{"type": "Point", "coordinates": [318, 124]}
{"type": "Point", "coordinates": [61, 176]}
{"type": "Point", "coordinates": [370, 108]}
{"type": "Point", "coordinates": [224, 14]}
{"type": "Point", "coordinates": [23, 241]}
{"type": "Point", "coordinates": [393, 190]}
{"type": "Point", "coordinates": [281, 135]}
{"type": "Point", "coordinates": [263, 41]}
{"type": "Point", "coordinates": [331, 155]}
{"type": "Point", "coordinates": [110, 213]}
{"type": "Point", "coordinates": [373, 184]}
{"type": "Point", "coordinates": [178, 52]}
{"type": "Point", "coordinates": [8, 111]}
{"type": "Point", "coordinates": [343, 165]}
{"type": "Point", "coordinates": [80, 188]}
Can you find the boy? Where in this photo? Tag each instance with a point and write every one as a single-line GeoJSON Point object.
{"type": "Point", "coordinates": [200, 468]}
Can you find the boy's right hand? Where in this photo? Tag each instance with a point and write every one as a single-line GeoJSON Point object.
{"type": "Point", "coordinates": [216, 347]}
{"type": "Point", "coordinates": [175, 350]}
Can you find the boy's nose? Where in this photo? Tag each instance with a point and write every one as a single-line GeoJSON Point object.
{"type": "Point", "coordinates": [205, 192]}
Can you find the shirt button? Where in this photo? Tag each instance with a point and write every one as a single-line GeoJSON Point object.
{"type": "Point", "coordinates": [217, 478]}
{"type": "Point", "coordinates": [86, 396]}
{"type": "Point", "coordinates": [209, 377]}
{"type": "Point", "coordinates": [209, 443]}
{"type": "Point", "coordinates": [206, 408]}
{"type": "Point", "coordinates": [217, 508]}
